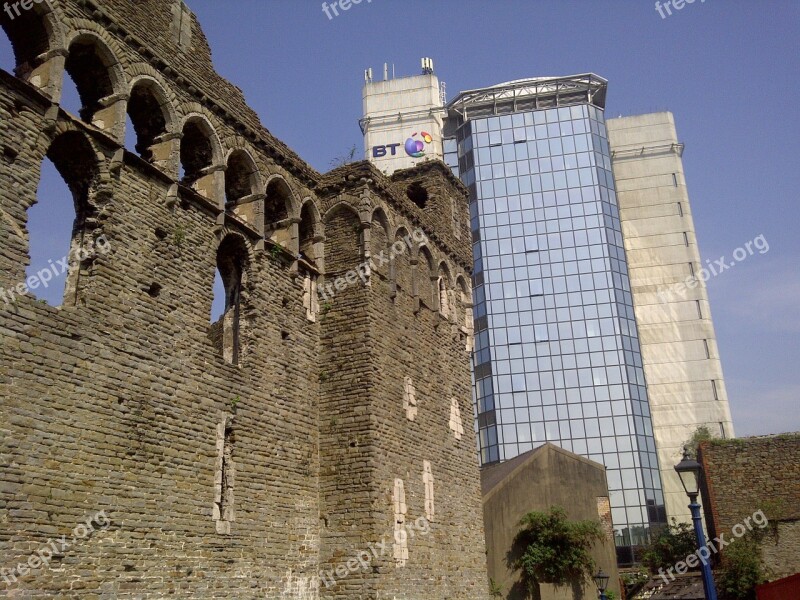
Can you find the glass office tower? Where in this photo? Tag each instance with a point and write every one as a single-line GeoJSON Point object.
{"type": "Point", "coordinates": [557, 354]}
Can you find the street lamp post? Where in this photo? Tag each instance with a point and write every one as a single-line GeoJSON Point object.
{"type": "Point", "coordinates": [690, 471]}
{"type": "Point", "coordinates": [601, 581]}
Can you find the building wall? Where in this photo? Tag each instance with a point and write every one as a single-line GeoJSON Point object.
{"type": "Point", "coordinates": [743, 476]}
{"type": "Point", "coordinates": [398, 110]}
{"type": "Point", "coordinates": [679, 346]}
{"type": "Point", "coordinates": [535, 481]}
{"type": "Point", "coordinates": [227, 461]}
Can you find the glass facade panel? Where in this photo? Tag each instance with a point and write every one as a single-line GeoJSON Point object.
{"type": "Point", "coordinates": [557, 352]}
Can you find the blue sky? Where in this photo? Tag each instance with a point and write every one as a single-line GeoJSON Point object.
{"type": "Point", "coordinates": [727, 69]}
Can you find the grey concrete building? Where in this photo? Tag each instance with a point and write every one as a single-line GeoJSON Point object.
{"type": "Point", "coordinates": [535, 481]}
{"type": "Point", "coordinates": [679, 347]}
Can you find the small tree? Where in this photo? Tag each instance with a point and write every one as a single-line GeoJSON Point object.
{"type": "Point", "coordinates": [345, 159]}
{"type": "Point", "coordinates": [670, 545]}
{"type": "Point", "coordinates": [552, 549]}
{"type": "Point", "coordinates": [742, 569]}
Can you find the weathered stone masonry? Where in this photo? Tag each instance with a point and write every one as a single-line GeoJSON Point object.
{"type": "Point", "coordinates": [241, 458]}
{"type": "Point", "coordinates": [746, 475]}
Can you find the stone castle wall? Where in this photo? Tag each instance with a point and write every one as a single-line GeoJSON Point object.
{"type": "Point", "coordinates": [237, 459]}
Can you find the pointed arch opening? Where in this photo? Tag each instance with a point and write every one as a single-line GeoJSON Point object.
{"type": "Point", "coordinates": [197, 151]}
{"type": "Point", "coordinates": [417, 193]}
{"type": "Point", "coordinates": [311, 258]}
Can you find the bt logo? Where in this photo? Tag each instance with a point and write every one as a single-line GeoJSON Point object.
{"type": "Point", "coordinates": [413, 147]}
{"type": "Point", "coordinates": [416, 148]}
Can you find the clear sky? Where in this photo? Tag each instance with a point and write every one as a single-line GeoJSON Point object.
{"type": "Point", "coordinates": [728, 70]}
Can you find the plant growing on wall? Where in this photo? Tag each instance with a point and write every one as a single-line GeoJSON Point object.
{"type": "Point", "coordinates": [495, 591]}
{"type": "Point", "coordinates": [550, 548]}
{"type": "Point", "coordinates": [344, 159]}
{"type": "Point", "coordinates": [701, 434]}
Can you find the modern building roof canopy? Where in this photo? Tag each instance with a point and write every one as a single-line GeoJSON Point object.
{"type": "Point", "coordinates": [531, 94]}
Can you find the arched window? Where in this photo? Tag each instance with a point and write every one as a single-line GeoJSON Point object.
{"type": "Point", "coordinates": [343, 241]}
{"type": "Point", "coordinates": [379, 244]}
{"type": "Point", "coordinates": [310, 243]}
{"type": "Point", "coordinates": [465, 316]}
{"type": "Point", "coordinates": [89, 67]}
{"type": "Point", "coordinates": [148, 122]}
{"type": "Point", "coordinates": [28, 40]}
{"type": "Point", "coordinates": [310, 249]}
{"type": "Point", "coordinates": [425, 278]}
{"type": "Point", "coordinates": [199, 154]}
{"type": "Point", "coordinates": [7, 61]}
{"type": "Point", "coordinates": [62, 246]}
{"type": "Point", "coordinates": [242, 187]}
{"type": "Point", "coordinates": [401, 262]}
{"type": "Point", "coordinates": [226, 332]}
{"type": "Point", "coordinates": [444, 291]}
{"type": "Point", "coordinates": [277, 207]}
{"type": "Point", "coordinates": [197, 151]}
{"type": "Point", "coordinates": [240, 177]}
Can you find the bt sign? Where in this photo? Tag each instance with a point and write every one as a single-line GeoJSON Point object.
{"type": "Point", "coordinates": [413, 147]}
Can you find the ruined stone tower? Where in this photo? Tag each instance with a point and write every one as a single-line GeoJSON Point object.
{"type": "Point", "coordinates": [316, 440]}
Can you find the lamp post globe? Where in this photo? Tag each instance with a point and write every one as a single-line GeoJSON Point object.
{"type": "Point", "coordinates": [601, 581]}
{"type": "Point", "coordinates": [689, 471]}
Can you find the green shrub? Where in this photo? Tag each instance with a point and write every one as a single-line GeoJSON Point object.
{"type": "Point", "coordinates": [552, 549]}
{"type": "Point", "coordinates": [742, 569]}
{"type": "Point", "coordinates": [670, 545]}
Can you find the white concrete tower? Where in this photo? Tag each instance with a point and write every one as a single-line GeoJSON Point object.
{"type": "Point", "coordinates": [402, 123]}
{"type": "Point", "coordinates": [679, 347]}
